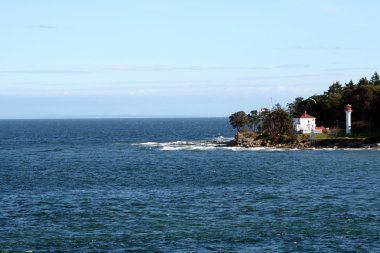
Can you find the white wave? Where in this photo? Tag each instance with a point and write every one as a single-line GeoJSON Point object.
{"type": "Point", "coordinates": [208, 145]}
{"type": "Point", "coordinates": [182, 145]}
{"type": "Point", "coordinates": [195, 147]}
{"type": "Point", "coordinates": [205, 145]}
{"type": "Point", "coordinates": [358, 149]}
{"type": "Point", "coordinates": [222, 138]}
{"type": "Point", "coordinates": [149, 144]}
{"type": "Point", "coordinates": [266, 149]}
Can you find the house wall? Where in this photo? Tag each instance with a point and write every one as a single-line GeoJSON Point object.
{"type": "Point", "coordinates": [304, 125]}
{"type": "Point", "coordinates": [296, 121]}
{"type": "Point", "coordinates": [308, 123]}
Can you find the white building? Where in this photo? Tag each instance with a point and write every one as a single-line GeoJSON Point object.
{"type": "Point", "coordinates": [348, 111]}
{"type": "Point", "coordinates": [305, 124]}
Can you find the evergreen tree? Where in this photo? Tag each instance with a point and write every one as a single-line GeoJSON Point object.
{"type": "Point", "coordinates": [253, 119]}
{"type": "Point", "coordinates": [238, 120]}
{"type": "Point", "coordinates": [296, 107]}
{"type": "Point", "coordinates": [334, 89]}
{"type": "Point", "coordinates": [278, 125]}
{"type": "Point", "coordinates": [328, 108]}
{"type": "Point", "coordinates": [375, 79]}
{"type": "Point", "coordinates": [363, 81]}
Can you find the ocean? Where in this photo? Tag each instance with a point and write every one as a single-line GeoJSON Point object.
{"type": "Point", "coordinates": [159, 185]}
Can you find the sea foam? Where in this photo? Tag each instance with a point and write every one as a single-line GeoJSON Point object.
{"type": "Point", "coordinates": [218, 143]}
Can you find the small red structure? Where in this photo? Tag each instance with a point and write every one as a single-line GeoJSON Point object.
{"type": "Point", "coordinates": [320, 129]}
{"type": "Point", "coordinates": [348, 108]}
{"type": "Point", "coordinates": [305, 115]}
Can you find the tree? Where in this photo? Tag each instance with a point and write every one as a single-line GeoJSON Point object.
{"type": "Point", "coordinates": [363, 81]}
{"type": "Point", "coordinates": [349, 86]}
{"type": "Point", "coordinates": [262, 118]}
{"type": "Point", "coordinates": [375, 79]}
{"type": "Point", "coordinates": [295, 107]}
{"type": "Point", "coordinates": [278, 125]}
{"type": "Point", "coordinates": [238, 120]}
{"type": "Point", "coordinates": [334, 89]}
{"type": "Point", "coordinates": [328, 108]}
{"type": "Point", "coordinates": [253, 119]}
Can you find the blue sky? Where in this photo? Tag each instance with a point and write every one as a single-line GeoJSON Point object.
{"type": "Point", "coordinates": [173, 58]}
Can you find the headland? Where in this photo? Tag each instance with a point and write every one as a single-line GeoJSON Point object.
{"type": "Point", "coordinates": [252, 140]}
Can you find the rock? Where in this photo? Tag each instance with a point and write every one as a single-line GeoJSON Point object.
{"type": "Point", "coordinates": [250, 140]}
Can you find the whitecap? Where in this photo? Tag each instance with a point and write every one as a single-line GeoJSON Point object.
{"type": "Point", "coordinates": [190, 148]}
{"type": "Point", "coordinates": [149, 144]}
{"type": "Point", "coordinates": [211, 144]}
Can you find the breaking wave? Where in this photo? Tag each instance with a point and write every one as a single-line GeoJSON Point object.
{"type": "Point", "coordinates": [219, 143]}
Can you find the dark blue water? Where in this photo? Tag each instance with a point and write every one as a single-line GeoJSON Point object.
{"type": "Point", "coordinates": [91, 186]}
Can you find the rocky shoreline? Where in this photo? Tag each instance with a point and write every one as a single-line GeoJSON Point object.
{"type": "Point", "coordinates": [253, 141]}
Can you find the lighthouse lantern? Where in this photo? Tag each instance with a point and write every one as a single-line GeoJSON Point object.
{"type": "Point", "coordinates": [348, 108]}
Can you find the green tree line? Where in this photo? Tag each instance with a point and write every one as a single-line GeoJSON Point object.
{"type": "Point", "coordinates": [275, 124]}
{"type": "Point", "coordinates": [328, 108]}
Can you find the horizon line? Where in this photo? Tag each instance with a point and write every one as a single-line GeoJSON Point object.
{"type": "Point", "coordinates": [110, 117]}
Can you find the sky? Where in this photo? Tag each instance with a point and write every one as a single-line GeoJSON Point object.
{"type": "Point", "coordinates": [178, 58]}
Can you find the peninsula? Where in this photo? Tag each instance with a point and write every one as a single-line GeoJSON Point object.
{"type": "Point", "coordinates": [347, 115]}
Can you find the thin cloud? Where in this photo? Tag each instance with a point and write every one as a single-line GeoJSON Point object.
{"type": "Point", "coordinates": [237, 68]}
{"type": "Point", "coordinates": [43, 71]}
{"type": "Point", "coordinates": [275, 77]}
{"type": "Point", "coordinates": [180, 68]}
{"type": "Point", "coordinates": [47, 27]}
{"type": "Point", "coordinates": [294, 66]}
{"type": "Point", "coordinates": [326, 48]}
{"type": "Point", "coordinates": [128, 82]}
{"type": "Point", "coordinates": [150, 68]}
{"type": "Point", "coordinates": [345, 69]}
{"type": "Point", "coordinates": [253, 78]}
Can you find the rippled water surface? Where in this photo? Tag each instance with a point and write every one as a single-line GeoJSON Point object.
{"type": "Point", "coordinates": [158, 185]}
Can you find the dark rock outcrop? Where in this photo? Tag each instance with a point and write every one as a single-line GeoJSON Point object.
{"type": "Point", "coordinates": [252, 140]}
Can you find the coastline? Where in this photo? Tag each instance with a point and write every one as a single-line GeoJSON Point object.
{"type": "Point", "coordinates": [248, 141]}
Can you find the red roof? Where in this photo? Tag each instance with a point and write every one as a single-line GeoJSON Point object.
{"type": "Point", "coordinates": [305, 115]}
{"type": "Point", "coordinates": [348, 108]}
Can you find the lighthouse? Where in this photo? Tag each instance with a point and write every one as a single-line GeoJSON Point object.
{"type": "Point", "coordinates": [348, 110]}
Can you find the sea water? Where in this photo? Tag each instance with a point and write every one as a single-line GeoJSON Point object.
{"type": "Point", "coordinates": [161, 185]}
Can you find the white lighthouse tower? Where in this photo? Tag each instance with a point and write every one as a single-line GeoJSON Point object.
{"type": "Point", "coordinates": [348, 110]}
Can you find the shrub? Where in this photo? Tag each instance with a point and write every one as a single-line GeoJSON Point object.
{"type": "Point", "coordinates": [359, 127]}
{"type": "Point", "coordinates": [287, 138]}
{"type": "Point", "coordinates": [302, 137]}
{"type": "Point", "coordinates": [336, 131]}
{"type": "Point", "coordinates": [246, 133]}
